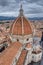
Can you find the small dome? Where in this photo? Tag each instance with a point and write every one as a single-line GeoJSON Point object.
{"type": "Point", "coordinates": [29, 45]}
{"type": "Point", "coordinates": [21, 26]}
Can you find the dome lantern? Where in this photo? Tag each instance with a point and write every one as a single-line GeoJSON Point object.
{"type": "Point", "coordinates": [21, 10]}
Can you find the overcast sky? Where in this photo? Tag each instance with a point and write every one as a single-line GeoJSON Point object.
{"type": "Point", "coordinates": [32, 8]}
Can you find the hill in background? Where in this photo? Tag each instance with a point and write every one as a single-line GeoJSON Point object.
{"type": "Point", "coordinates": [12, 18]}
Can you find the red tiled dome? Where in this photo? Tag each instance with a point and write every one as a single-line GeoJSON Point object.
{"type": "Point", "coordinates": [21, 25]}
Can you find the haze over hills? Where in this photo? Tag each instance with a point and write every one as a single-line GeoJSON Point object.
{"type": "Point", "coordinates": [12, 18]}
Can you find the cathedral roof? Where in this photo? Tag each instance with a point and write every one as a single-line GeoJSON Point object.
{"type": "Point", "coordinates": [21, 26]}
{"type": "Point", "coordinates": [10, 53]}
{"type": "Point", "coordinates": [22, 57]}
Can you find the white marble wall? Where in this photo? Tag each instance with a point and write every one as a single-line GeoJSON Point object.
{"type": "Point", "coordinates": [28, 58]}
{"type": "Point", "coordinates": [22, 39]}
{"type": "Point", "coordinates": [36, 57]}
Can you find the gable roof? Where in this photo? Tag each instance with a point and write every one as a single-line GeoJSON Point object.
{"type": "Point", "coordinates": [10, 53]}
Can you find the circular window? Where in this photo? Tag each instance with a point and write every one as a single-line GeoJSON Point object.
{"type": "Point", "coordinates": [27, 39]}
{"type": "Point", "coordinates": [17, 39]}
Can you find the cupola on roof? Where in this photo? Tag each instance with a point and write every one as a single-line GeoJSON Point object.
{"type": "Point", "coordinates": [21, 26]}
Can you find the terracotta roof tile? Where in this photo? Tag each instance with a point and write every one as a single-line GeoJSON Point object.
{"type": "Point", "coordinates": [9, 54]}
{"type": "Point", "coordinates": [21, 26]}
{"type": "Point", "coordinates": [22, 58]}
